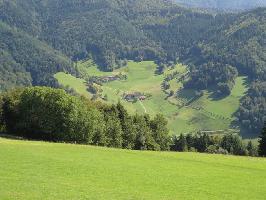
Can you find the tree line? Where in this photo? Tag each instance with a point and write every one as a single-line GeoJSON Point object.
{"type": "Point", "coordinates": [232, 144]}
{"type": "Point", "coordinates": [214, 144]}
{"type": "Point", "coordinates": [252, 111]}
{"type": "Point", "coordinates": [53, 115]}
{"type": "Point", "coordinates": [48, 114]}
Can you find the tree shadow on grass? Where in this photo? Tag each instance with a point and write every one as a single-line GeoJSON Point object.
{"type": "Point", "coordinates": [11, 137]}
{"type": "Point", "coordinates": [186, 94]}
{"type": "Point", "coordinates": [215, 96]}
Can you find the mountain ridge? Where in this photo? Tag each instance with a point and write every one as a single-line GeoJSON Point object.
{"type": "Point", "coordinates": [225, 5]}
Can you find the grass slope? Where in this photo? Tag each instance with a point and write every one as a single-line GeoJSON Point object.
{"type": "Point", "coordinates": [38, 170]}
{"type": "Point", "coordinates": [214, 113]}
{"type": "Point", "coordinates": [70, 81]}
{"type": "Point", "coordinates": [205, 113]}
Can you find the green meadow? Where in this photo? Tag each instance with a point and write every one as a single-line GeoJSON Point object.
{"type": "Point", "coordinates": [206, 113]}
{"type": "Point", "coordinates": [39, 170]}
{"type": "Point", "coordinates": [79, 85]}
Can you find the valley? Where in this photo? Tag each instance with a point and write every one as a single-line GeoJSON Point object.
{"type": "Point", "coordinates": [132, 99]}
{"type": "Point", "coordinates": [185, 111]}
{"type": "Point", "coordinates": [39, 40]}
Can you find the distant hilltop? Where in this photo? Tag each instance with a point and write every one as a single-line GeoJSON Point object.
{"type": "Point", "coordinates": [223, 4]}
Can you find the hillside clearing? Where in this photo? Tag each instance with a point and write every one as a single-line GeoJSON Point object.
{"type": "Point", "coordinates": [67, 80]}
{"type": "Point", "coordinates": [204, 113]}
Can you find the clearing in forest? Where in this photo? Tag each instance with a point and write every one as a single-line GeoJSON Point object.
{"type": "Point", "coordinates": [184, 110]}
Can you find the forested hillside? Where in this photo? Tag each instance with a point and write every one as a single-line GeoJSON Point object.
{"type": "Point", "coordinates": [109, 31]}
{"type": "Point", "coordinates": [78, 28]}
{"type": "Point", "coordinates": [219, 48]}
{"type": "Point", "coordinates": [242, 44]}
{"type": "Point", "coordinates": [226, 5]}
{"type": "Point", "coordinates": [40, 38]}
{"type": "Point", "coordinates": [26, 60]}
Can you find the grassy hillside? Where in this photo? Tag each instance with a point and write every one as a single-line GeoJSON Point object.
{"type": "Point", "coordinates": [37, 170]}
{"type": "Point", "coordinates": [206, 113]}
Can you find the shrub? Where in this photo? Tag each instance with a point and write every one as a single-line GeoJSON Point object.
{"type": "Point", "coordinates": [212, 149]}
{"type": "Point", "coordinates": [220, 150]}
{"type": "Point", "coordinates": [193, 149]}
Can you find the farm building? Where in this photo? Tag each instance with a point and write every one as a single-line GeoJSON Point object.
{"type": "Point", "coordinates": [142, 98]}
{"type": "Point", "coordinates": [109, 78]}
{"type": "Point", "coordinates": [134, 96]}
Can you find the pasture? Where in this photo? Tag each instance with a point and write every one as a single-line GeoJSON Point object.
{"type": "Point", "coordinates": [204, 113]}
{"type": "Point", "coordinates": [38, 170]}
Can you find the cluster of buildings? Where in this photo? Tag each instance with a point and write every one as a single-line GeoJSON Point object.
{"type": "Point", "coordinates": [131, 97]}
{"type": "Point", "coordinates": [106, 79]}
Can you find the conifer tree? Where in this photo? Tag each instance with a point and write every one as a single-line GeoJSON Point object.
{"type": "Point", "coordinates": [252, 150]}
{"type": "Point", "coordinates": [183, 143]}
{"type": "Point", "coordinates": [262, 142]}
{"type": "Point", "coordinates": [160, 132]}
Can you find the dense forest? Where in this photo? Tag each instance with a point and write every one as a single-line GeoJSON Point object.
{"type": "Point", "coordinates": [27, 61]}
{"type": "Point", "coordinates": [109, 31]}
{"type": "Point", "coordinates": [252, 113]}
{"type": "Point", "coordinates": [40, 38]}
{"type": "Point", "coordinates": [226, 5]}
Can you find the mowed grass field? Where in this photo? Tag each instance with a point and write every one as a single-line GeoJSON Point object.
{"type": "Point", "coordinates": [39, 170]}
{"type": "Point", "coordinates": [205, 113]}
